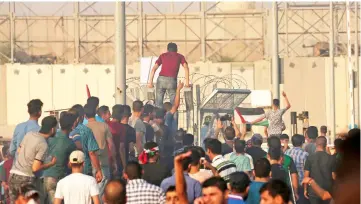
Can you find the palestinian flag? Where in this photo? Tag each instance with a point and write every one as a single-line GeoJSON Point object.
{"type": "Point", "coordinates": [251, 114]}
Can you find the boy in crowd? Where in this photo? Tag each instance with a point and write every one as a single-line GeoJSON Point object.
{"type": "Point", "coordinates": [284, 142]}
{"type": "Point", "coordinates": [239, 157]}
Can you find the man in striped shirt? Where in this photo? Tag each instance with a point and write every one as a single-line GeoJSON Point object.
{"type": "Point", "coordinates": [299, 157]}
{"type": "Point", "coordinates": [223, 166]}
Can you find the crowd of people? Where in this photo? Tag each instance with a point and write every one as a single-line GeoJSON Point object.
{"type": "Point", "coordinates": [137, 155]}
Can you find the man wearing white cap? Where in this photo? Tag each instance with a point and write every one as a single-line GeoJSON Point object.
{"type": "Point", "coordinates": [77, 187]}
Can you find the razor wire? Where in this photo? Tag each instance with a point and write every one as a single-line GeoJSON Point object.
{"type": "Point", "coordinates": [206, 82]}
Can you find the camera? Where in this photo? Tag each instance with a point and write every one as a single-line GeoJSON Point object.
{"type": "Point", "coordinates": [226, 117]}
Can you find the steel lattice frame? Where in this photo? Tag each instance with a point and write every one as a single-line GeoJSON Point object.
{"type": "Point", "coordinates": [74, 40]}
{"type": "Point", "coordinates": [298, 43]}
{"type": "Point", "coordinates": [74, 33]}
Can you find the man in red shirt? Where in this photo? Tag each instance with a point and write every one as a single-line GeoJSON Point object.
{"type": "Point", "coordinates": [167, 79]}
{"type": "Point", "coordinates": [118, 132]}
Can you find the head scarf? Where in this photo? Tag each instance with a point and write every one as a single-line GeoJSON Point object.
{"type": "Point", "coordinates": [146, 153]}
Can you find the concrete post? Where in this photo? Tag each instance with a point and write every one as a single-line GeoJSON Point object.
{"type": "Point", "coordinates": [275, 60]}
{"type": "Point", "coordinates": [332, 118]}
{"type": "Point", "coordinates": [357, 59]}
{"type": "Point", "coordinates": [349, 65]}
{"type": "Point", "coordinates": [120, 53]}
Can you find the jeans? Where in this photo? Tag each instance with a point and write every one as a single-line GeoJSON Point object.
{"type": "Point", "coordinates": [164, 84]}
{"type": "Point", "coordinates": [49, 188]}
{"type": "Point", "coordinates": [104, 181]}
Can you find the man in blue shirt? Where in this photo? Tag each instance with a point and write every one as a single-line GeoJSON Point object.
{"type": "Point", "coordinates": [34, 110]}
{"type": "Point", "coordinates": [84, 140]}
{"type": "Point", "coordinates": [262, 170]}
{"type": "Point", "coordinates": [93, 102]}
{"type": "Point", "coordinates": [239, 183]}
{"type": "Point", "coordinates": [194, 188]}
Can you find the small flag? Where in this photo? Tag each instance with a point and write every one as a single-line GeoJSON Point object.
{"type": "Point", "coordinates": [251, 114]}
{"type": "Point", "coordinates": [88, 91]}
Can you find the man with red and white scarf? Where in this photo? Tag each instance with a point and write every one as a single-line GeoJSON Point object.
{"type": "Point", "coordinates": [154, 171]}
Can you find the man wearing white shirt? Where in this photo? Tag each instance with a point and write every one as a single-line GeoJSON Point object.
{"type": "Point", "coordinates": [77, 187]}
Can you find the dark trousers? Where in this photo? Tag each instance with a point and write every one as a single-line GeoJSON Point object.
{"type": "Point", "coordinates": [318, 200]}
{"type": "Point", "coordinates": [301, 196]}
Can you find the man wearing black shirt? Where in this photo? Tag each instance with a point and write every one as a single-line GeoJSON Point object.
{"type": "Point", "coordinates": [163, 136]}
{"type": "Point", "coordinates": [288, 164]}
{"type": "Point", "coordinates": [178, 141]}
{"type": "Point", "coordinates": [147, 116]}
{"type": "Point", "coordinates": [256, 151]}
{"type": "Point", "coordinates": [321, 167]}
{"type": "Point", "coordinates": [187, 142]}
{"type": "Point", "coordinates": [130, 137]}
{"type": "Point", "coordinates": [277, 171]}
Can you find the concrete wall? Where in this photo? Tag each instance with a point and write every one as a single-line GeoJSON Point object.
{"type": "Point", "coordinates": [305, 81]}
